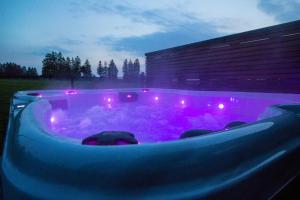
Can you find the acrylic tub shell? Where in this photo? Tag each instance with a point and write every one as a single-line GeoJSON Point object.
{"type": "Point", "coordinates": [254, 161]}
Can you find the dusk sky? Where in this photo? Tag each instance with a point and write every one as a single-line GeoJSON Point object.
{"type": "Point", "coordinates": [119, 29]}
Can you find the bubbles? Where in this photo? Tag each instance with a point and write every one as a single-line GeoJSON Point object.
{"type": "Point", "coordinates": [86, 122]}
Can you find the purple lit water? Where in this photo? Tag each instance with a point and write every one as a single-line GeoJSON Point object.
{"type": "Point", "coordinates": [155, 117]}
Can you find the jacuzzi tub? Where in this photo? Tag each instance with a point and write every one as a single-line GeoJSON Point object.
{"type": "Point", "coordinates": [44, 157]}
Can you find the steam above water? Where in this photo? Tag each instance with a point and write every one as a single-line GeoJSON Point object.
{"type": "Point", "coordinates": [148, 123]}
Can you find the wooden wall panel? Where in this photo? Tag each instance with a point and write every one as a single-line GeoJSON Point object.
{"type": "Point", "coordinates": [266, 59]}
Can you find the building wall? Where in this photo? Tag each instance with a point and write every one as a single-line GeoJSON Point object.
{"type": "Point", "coordinates": [265, 59]}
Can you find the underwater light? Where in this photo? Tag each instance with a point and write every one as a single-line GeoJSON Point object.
{"type": "Point", "coordinates": [52, 119]}
{"type": "Point", "coordinates": [70, 92]}
{"type": "Point", "coordinates": [221, 106]}
{"type": "Point", "coordinates": [19, 106]}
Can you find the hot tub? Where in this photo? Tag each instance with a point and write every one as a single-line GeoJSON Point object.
{"type": "Point", "coordinates": [45, 158]}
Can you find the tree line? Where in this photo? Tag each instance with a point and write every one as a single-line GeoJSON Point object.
{"type": "Point", "coordinates": [55, 65]}
{"type": "Point", "coordinates": [13, 70]}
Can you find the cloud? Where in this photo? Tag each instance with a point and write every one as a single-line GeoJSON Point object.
{"type": "Point", "coordinates": [187, 33]}
{"type": "Point", "coordinates": [284, 11]}
{"type": "Point", "coordinates": [106, 29]}
{"type": "Point", "coordinates": [69, 41]}
{"type": "Point", "coordinates": [44, 50]}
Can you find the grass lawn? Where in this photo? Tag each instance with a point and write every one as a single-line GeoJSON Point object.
{"type": "Point", "coordinates": [9, 86]}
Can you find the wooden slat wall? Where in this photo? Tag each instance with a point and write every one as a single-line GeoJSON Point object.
{"type": "Point", "coordinates": [265, 60]}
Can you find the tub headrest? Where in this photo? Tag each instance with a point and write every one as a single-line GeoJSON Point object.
{"type": "Point", "coordinates": [194, 133]}
{"type": "Point", "coordinates": [110, 138]}
{"type": "Point", "coordinates": [234, 124]}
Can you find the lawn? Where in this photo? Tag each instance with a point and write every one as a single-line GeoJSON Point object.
{"type": "Point", "coordinates": [9, 86]}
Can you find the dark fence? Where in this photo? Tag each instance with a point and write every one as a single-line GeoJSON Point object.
{"type": "Point", "coordinates": [266, 59]}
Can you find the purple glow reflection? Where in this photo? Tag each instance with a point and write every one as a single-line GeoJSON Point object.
{"type": "Point", "coordinates": [70, 92]}
{"type": "Point", "coordinates": [92, 142]}
{"type": "Point", "coordinates": [121, 142]}
{"type": "Point", "coordinates": [221, 106]}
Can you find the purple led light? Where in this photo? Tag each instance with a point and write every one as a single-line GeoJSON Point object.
{"type": "Point", "coordinates": [52, 119]}
{"type": "Point", "coordinates": [156, 98]}
{"type": "Point", "coordinates": [129, 96]}
{"type": "Point", "coordinates": [145, 90]}
{"type": "Point", "coordinates": [109, 100]}
{"type": "Point", "coordinates": [182, 102]}
{"type": "Point", "coordinates": [70, 92]}
{"type": "Point", "coordinates": [221, 106]}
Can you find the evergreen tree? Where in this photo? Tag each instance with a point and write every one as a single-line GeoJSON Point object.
{"type": "Point", "coordinates": [105, 70]}
{"type": "Point", "coordinates": [125, 69]}
{"type": "Point", "coordinates": [86, 69]}
{"type": "Point", "coordinates": [2, 71]}
{"type": "Point", "coordinates": [49, 65]}
{"type": "Point", "coordinates": [60, 64]}
{"type": "Point", "coordinates": [13, 70]}
{"type": "Point", "coordinates": [68, 68]}
{"type": "Point", "coordinates": [31, 72]}
{"type": "Point", "coordinates": [75, 67]}
{"type": "Point", "coordinates": [34, 72]}
{"type": "Point", "coordinates": [136, 69]}
{"type": "Point", "coordinates": [130, 70]}
{"type": "Point", "coordinates": [24, 72]}
{"type": "Point", "coordinates": [101, 71]}
{"type": "Point", "coordinates": [112, 70]}
{"type": "Point", "coordinates": [54, 66]}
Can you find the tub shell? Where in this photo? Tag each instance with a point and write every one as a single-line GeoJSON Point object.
{"type": "Point", "coordinates": [251, 162]}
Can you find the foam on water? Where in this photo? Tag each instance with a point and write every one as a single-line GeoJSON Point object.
{"type": "Point", "coordinates": [148, 123]}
